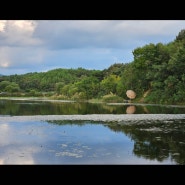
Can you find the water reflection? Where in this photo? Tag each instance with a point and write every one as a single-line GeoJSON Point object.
{"type": "Point", "coordinates": [30, 107]}
{"type": "Point", "coordinates": [88, 142]}
{"type": "Point", "coordinates": [131, 109]}
{"type": "Point", "coordinates": [158, 140]}
{"type": "Point", "coordinates": [153, 140]}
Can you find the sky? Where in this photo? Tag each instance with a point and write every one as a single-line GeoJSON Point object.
{"type": "Point", "coordinates": [42, 45]}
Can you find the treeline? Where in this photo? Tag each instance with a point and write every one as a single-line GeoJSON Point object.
{"type": "Point", "coordinates": [157, 75]}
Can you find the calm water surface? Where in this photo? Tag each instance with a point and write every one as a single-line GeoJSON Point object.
{"type": "Point", "coordinates": [89, 142]}
{"type": "Point", "coordinates": [43, 107]}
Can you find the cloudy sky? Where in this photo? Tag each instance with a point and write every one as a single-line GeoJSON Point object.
{"type": "Point", "coordinates": [42, 45]}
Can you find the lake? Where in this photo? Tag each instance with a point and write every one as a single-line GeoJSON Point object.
{"type": "Point", "coordinates": [39, 131]}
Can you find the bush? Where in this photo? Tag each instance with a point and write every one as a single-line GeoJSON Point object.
{"type": "Point", "coordinates": [112, 98]}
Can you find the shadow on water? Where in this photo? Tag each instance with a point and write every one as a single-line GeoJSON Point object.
{"type": "Point", "coordinates": [153, 140]}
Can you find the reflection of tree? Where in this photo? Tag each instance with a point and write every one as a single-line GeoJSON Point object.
{"type": "Point", "coordinates": [6, 108]}
{"type": "Point", "coordinates": [29, 107]}
{"type": "Point", "coordinates": [18, 107]}
{"type": "Point", "coordinates": [72, 122]}
{"type": "Point", "coordinates": [156, 140]}
{"type": "Point", "coordinates": [161, 109]}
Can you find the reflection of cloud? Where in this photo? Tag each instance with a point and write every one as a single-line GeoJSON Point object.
{"type": "Point", "coordinates": [4, 127]}
{"type": "Point", "coordinates": [69, 154]}
{"type": "Point", "coordinates": [5, 134]}
{"type": "Point", "coordinates": [1, 161]}
{"type": "Point", "coordinates": [18, 155]}
{"type": "Point", "coordinates": [17, 160]}
{"type": "Point", "coordinates": [15, 146]}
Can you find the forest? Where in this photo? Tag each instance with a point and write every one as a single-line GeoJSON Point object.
{"type": "Point", "coordinates": [157, 75]}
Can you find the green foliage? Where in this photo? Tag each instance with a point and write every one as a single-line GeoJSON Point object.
{"type": "Point", "coordinates": [89, 86]}
{"type": "Point", "coordinates": [112, 98]}
{"type": "Point", "coordinates": [115, 69]}
{"type": "Point", "coordinates": [10, 87]}
{"type": "Point", "coordinates": [181, 35]}
{"type": "Point", "coordinates": [109, 84]}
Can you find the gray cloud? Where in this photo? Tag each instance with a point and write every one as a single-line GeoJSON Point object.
{"type": "Point", "coordinates": [18, 33]}
{"type": "Point", "coordinates": [104, 34]}
{"type": "Point", "coordinates": [27, 45]}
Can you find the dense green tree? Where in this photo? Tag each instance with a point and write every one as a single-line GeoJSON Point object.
{"type": "Point", "coordinates": [12, 87]}
{"type": "Point", "coordinates": [89, 86]}
{"type": "Point", "coordinates": [109, 84]}
{"type": "Point", "coordinates": [181, 35]}
{"type": "Point", "coordinates": [4, 84]}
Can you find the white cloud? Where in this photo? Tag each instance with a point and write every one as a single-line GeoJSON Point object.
{"type": "Point", "coordinates": [22, 26]}
{"type": "Point", "coordinates": [4, 64]}
{"type": "Point", "coordinates": [27, 45]}
{"type": "Point", "coordinates": [18, 33]}
{"type": "Point", "coordinates": [4, 57]}
{"type": "Point", "coordinates": [63, 34]}
{"type": "Point", "coordinates": [2, 25]}
{"type": "Point", "coordinates": [21, 57]}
